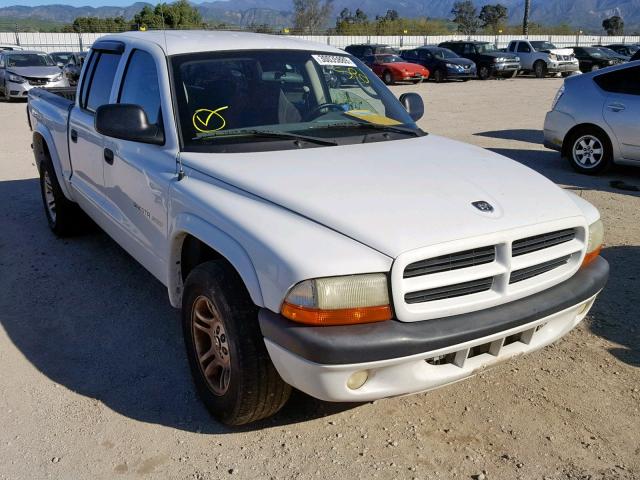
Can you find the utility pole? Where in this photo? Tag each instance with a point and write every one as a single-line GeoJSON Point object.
{"type": "Point", "coordinates": [525, 20]}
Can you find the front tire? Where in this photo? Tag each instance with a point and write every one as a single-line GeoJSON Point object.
{"type": "Point", "coordinates": [589, 151]}
{"type": "Point", "coordinates": [63, 216]}
{"type": "Point", "coordinates": [231, 368]}
{"type": "Point", "coordinates": [540, 69]}
{"type": "Point", "coordinates": [387, 78]}
{"type": "Point", "coordinates": [439, 76]}
{"type": "Point", "coordinates": [484, 72]}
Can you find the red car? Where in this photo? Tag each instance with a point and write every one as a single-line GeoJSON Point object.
{"type": "Point", "coordinates": [392, 69]}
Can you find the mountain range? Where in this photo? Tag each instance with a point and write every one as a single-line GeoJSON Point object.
{"type": "Point", "coordinates": [586, 14]}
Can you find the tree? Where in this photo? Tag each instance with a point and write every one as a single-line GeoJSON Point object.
{"type": "Point", "coordinates": [173, 15]}
{"type": "Point", "coordinates": [613, 25]}
{"type": "Point", "coordinates": [464, 15]}
{"type": "Point", "coordinates": [311, 15]}
{"type": "Point", "coordinates": [525, 18]}
{"type": "Point", "coordinates": [492, 17]}
{"type": "Point", "coordinates": [95, 24]}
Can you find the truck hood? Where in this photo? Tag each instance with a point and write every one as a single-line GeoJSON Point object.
{"type": "Point", "coordinates": [395, 196]}
{"type": "Point", "coordinates": [558, 51]}
{"type": "Point", "coordinates": [35, 72]}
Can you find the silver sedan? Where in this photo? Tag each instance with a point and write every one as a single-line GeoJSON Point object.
{"type": "Point", "coordinates": [594, 119]}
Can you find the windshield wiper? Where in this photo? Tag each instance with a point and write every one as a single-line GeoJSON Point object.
{"type": "Point", "coordinates": [268, 134]}
{"type": "Point", "coordinates": [375, 126]}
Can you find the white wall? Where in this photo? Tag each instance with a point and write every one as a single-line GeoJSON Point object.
{"type": "Point", "coordinates": [51, 42]}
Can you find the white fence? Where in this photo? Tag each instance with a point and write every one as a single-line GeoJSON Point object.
{"type": "Point", "coordinates": [51, 42]}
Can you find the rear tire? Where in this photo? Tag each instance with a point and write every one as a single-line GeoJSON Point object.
{"type": "Point", "coordinates": [64, 217]}
{"type": "Point", "coordinates": [589, 150]}
{"type": "Point", "coordinates": [231, 368]}
{"type": "Point", "coordinates": [540, 69]}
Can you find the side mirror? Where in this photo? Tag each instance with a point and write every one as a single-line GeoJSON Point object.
{"type": "Point", "coordinates": [127, 122]}
{"type": "Point", "coordinates": [413, 103]}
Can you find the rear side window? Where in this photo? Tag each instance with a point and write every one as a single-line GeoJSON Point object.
{"type": "Point", "coordinates": [625, 81]}
{"type": "Point", "coordinates": [101, 80]}
{"type": "Point", "coordinates": [140, 85]}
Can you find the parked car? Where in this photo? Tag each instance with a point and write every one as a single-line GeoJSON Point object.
{"type": "Point", "coordinates": [624, 49]}
{"type": "Point", "coordinates": [594, 119]}
{"type": "Point", "coordinates": [393, 68]}
{"type": "Point", "coordinates": [443, 64]}
{"type": "Point", "coordinates": [61, 58]}
{"type": "Point", "coordinates": [9, 47]}
{"type": "Point", "coordinates": [22, 70]}
{"type": "Point", "coordinates": [367, 49]}
{"type": "Point", "coordinates": [592, 59]}
{"type": "Point", "coordinates": [489, 61]}
{"type": "Point", "coordinates": [71, 70]}
{"type": "Point", "coordinates": [313, 235]}
{"type": "Point", "coordinates": [544, 58]}
{"type": "Point", "coordinates": [613, 54]}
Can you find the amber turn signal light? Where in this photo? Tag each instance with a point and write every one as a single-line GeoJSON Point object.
{"type": "Point", "coordinates": [342, 316]}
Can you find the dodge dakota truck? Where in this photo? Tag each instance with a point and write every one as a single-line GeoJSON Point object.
{"type": "Point", "coordinates": [312, 234]}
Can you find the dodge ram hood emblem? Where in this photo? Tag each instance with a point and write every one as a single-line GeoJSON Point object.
{"type": "Point", "coordinates": [483, 206]}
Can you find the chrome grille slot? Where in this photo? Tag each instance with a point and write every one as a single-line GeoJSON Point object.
{"type": "Point", "coordinates": [540, 242]}
{"type": "Point", "coordinates": [450, 291]}
{"type": "Point", "coordinates": [452, 261]}
{"type": "Point", "coordinates": [535, 270]}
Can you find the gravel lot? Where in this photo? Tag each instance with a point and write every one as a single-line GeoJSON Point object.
{"type": "Point", "coordinates": [95, 383]}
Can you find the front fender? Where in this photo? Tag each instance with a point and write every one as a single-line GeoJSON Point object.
{"type": "Point", "coordinates": [189, 224]}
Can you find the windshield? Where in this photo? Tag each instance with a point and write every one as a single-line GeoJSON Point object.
{"type": "Point", "coordinates": [594, 52]}
{"type": "Point", "coordinates": [29, 60]}
{"type": "Point", "coordinates": [539, 46]}
{"type": "Point", "coordinates": [388, 59]}
{"type": "Point", "coordinates": [608, 51]}
{"type": "Point", "coordinates": [485, 48]}
{"type": "Point", "coordinates": [443, 53]}
{"type": "Point", "coordinates": [221, 94]}
{"type": "Point", "coordinates": [62, 57]}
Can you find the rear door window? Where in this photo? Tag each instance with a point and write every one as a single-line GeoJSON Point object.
{"type": "Point", "coordinates": [101, 80]}
{"type": "Point", "coordinates": [626, 81]}
{"type": "Point", "coordinates": [140, 85]}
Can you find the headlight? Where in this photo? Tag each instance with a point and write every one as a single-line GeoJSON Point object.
{"type": "Point", "coordinates": [498, 60]}
{"type": "Point", "coordinates": [553, 57]}
{"type": "Point", "coordinates": [557, 97]}
{"type": "Point", "coordinates": [594, 244]}
{"type": "Point", "coordinates": [339, 300]}
{"type": "Point", "coordinates": [451, 65]}
{"type": "Point", "coordinates": [16, 78]}
{"type": "Point", "coordinates": [56, 78]}
{"type": "Point", "coordinates": [517, 59]}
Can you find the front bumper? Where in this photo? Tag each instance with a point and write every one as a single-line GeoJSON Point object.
{"type": "Point", "coordinates": [505, 67]}
{"type": "Point", "coordinates": [403, 358]}
{"type": "Point", "coordinates": [411, 77]}
{"type": "Point", "coordinates": [21, 90]}
{"type": "Point", "coordinates": [563, 67]}
{"type": "Point", "coordinates": [457, 74]}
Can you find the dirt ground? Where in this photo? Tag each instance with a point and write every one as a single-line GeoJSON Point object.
{"type": "Point", "coordinates": [94, 382]}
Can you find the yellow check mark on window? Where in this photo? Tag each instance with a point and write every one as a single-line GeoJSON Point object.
{"type": "Point", "coordinates": [206, 120]}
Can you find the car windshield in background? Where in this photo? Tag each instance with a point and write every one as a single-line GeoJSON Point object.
{"type": "Point", "coordinates": [262, 96]}
{"type": "Point", "coordinates": [443, 53]}
{"type": "Point", "coordinates": [389, 59]}
{"type": "Point", "coordinates": [594, 52]}
{"type": "Point", "coordinates": [29, 60]}
{"type": "Point", "coordinates": [541, 46]}
{"type": "Point", "coordinates": [61, 57]}
{"type": "Point", "coordinates": [485, 47]}
{"type": "Point", "coordinates": [608, 51]}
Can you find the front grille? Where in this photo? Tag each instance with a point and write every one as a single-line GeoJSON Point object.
{"type": "Point", "coordinates": [36, 81]}
{"type": "Point", "coordinates": [452, 261]}
{"type": "Point", "coordinates": [540, 242]}
{"type": "Point", "coordinates": [450, 291]}
{"type": "Point", "coordinates": [472, 274]}
{"type": "Point", "coordinates": [539, 269]}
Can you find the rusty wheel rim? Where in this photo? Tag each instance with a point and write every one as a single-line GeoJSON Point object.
{"type": "Point", "coordinates": [211, 345]}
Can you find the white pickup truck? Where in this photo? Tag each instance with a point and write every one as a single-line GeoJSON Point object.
{"type": "Point", "coordinates": [312, 234]}
{"type": "Point", "coordinates": [543, 58]}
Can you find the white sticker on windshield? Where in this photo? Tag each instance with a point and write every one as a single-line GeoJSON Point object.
{"type": "Point", "coordinates": [334, 60]}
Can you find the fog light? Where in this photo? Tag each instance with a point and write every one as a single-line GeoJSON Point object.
{"type": "Point", "coordinates": [358, 379]}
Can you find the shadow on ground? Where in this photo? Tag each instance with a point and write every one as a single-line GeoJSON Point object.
{"type": "Point", "coordinates": [91, 319]}
{"type": "Point", "coordinates": [615, 314]}
{"type": "Point", "coordinates": [520, 134]}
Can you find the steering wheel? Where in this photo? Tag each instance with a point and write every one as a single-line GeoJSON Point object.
{"type": "Point", "coordinates": [323, 106]}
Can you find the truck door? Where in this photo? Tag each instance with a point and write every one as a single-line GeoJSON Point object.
{"type": "Point", "coordinates": [622, 108]}
{"type": "Point", "coordinates": [138, 176]}
{"type": "Point", "coordinates": [85, 144]}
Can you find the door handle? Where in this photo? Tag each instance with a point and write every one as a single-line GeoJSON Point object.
{"type": "Point", "coordinates": [74, 136]}
{"type": "Point", "coordinates": [108, 156]}
{"type": "Point", "coordinates": [616, 107]}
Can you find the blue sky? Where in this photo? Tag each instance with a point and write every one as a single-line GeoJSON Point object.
{"type": "Point", "coordinates": [75, 3]}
